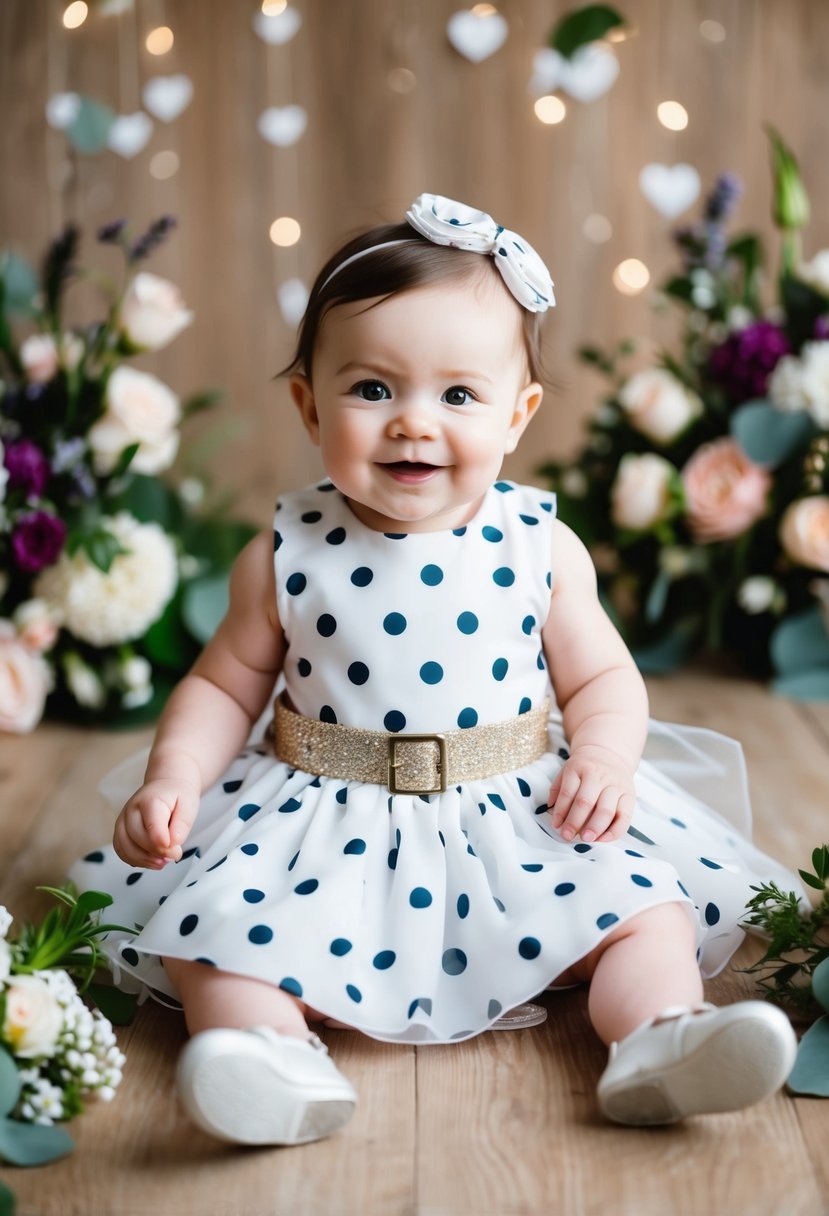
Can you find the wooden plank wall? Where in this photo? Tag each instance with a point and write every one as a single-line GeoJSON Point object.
{"type": "Point", "coordinates": [465, 130]}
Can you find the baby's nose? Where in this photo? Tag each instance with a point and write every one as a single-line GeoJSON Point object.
{"type": "Point", "coordinates": [415, 419]}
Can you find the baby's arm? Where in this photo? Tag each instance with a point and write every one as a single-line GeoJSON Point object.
{"type": "Point", "coordinates": [601, 696]}
{"type": "Point", "coordinates": [209, 715]}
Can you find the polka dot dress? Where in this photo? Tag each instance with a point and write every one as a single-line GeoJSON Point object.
{"type": "Point", "coordinates": [415, 918]}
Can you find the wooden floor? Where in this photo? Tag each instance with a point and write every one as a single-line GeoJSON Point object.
{"type": "Point", "coordinates": [501, 1125]}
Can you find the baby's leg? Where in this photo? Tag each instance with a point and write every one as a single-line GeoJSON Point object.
{"type": "Point", "coordinates": [214, 998]}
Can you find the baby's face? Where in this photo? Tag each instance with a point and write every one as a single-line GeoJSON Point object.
{"type": "Point", "coordinates": [416, 399]}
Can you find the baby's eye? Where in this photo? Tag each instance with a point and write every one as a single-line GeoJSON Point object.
{"type": "Point", "coordinates": [371, 390]}
{"type": "Point", "coordinates": [458, 395]}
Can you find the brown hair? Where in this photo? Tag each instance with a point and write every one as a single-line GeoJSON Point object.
{"type": "Point", "coordinates": [388, 271]}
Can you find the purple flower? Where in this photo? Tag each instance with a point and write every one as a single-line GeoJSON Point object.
{"type": "Point", "coordinates": [723, 198]}
{"type": "Point", "coordinates": [37, 540]}
{"type": "Point", "coordinates": [821, 330]}
{"type": "Point", "coordinates": [28, 467]}
{"type": "Point", "coordinates": [745, 360]}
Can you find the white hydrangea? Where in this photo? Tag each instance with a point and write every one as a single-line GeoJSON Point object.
{"type": "Point", "coordinates": [106, 608]}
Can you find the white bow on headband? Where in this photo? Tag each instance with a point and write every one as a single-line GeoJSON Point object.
{"type": "Point", "coordinates": [446, 222]}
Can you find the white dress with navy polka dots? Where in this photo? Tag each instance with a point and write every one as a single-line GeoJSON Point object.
{"type": "Point", "coordinates": [416, 918]}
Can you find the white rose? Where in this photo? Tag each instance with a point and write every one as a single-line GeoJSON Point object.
{"type": "Point", "coordinates": [659, 405]}
{"type": "Point", "coordinates": [40, 359]}
{"type": "Point", "coordinates": [641, 494]}
{"type": "Point", "coordinates": [6, 920]}
{"type": "Point", "coordinates": [738, 317]}
{"type": "Point", "coordinates": [135, 676]}
{"type": "Point", "coordinates": [83, 682]}
{"type": "Point", "coordinates": [24, 683]}
{"type": "Point", "coordinates": [107, 608]}
{"type": "Point", "coordinates": [152, 312]}
{"type": "Point", "coordinates": [37, 624]}
{"type": "Point", "coordinates": [5, 959]}
{"type": "Point", "coordinates": [4, 472]}
{"type": "Point", "coordinates": [786, 385]}
{"type": "Point", "coordinates": [816, 272]}
{"type": "Point", "coordinates": [140, 409]}
{"type": "Point", "coordinates": [803, 383]}
{"type": "Point", "coordinates": [33, 1018]}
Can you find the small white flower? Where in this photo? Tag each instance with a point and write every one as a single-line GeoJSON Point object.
{"type": "Point", "coordinates": [6, 919]}
{"type": "Point", "coordinates": [816, 272]}
{"type": "Point", "coordinates": [191, 491]}
{"type": "Point", "coordinates": [5, 959]}
{"type": "Point", "coordinates": [739, 317]}
{"type": "Point", "coordinates": [83, 682]}
{"type": "Point", "coordinates": [758, 594]}
{"type": "Point", "coordinates": [574, 483]}
{"type": "Point", "coordinates": [676, 561]}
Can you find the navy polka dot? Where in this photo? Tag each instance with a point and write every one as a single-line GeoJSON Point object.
{"type": "Point", "coordinates": [497, 800]}
{"type": "Point", "coordinates": [527, 625]}
{"type": "Point", "coordinates": [564, 888]}
{"type": "Point", "coordinates": [296, 584]}
{"type": "Point", "coordinates": [355, 846]}
{"type": "Point", "coordinates": [293, 861]}
{"type": "Point", "coordinates": [498, 903]}
{"type": "Point", "coordinates": [678, 823]}
{"type": "Point", "coordinates": [532, 867]}
{"type": "Point", "coordinates": [640, 880]}
{"type": "Point", "coordinates": [188, 924]}
{"type": "Point", "coordinates": [395, 535]}
{"type": "Point", "coordinates": [392, 859]}
{"type": "Point", "coordinates": [336, 537]}
{"type": "Point", "coordinates": [133, 879]}
{"type": "Point", "coordinates": [394, 720]}
{"type": "Point", "coordinates": [306, 888]}
{"type": "Point", "coordinates": [503, 487]}
{"type": "Point", "coordinates": [327, 714]}
{"type": "Point", "coordinates": [96, 856]}
{"type": "Point", "coordinates": [289, 984]}
{"type": "Point", "coordinates": [287, 808]}
{"type": "Point", "coordinates": [277, 541]}
{"type": "Point", "coordinates": [394, 623]}
{"type": "Point", "coordinates": [422, 1002]}
{"type": "Point", "coordinates": [304, 667]}
{"type": "Point", "coordinates": [583, 848]}
{"type": "Point", "coordinates": [326, 625]}
{"type": "Point", "coordinates": [342, 795]}
{"type": "Point", "coordinates": [253, 896]}
{"type": "Point", "coordinates": [248, 811]}
{"type": "Point", "coordinates": [712, 914]}
{"type": "Point", "coordinates": [468, 717]}
{"type": "Point", "coordinates": [230, 787]}
{"type": "Point", "coordinates": [311, 517]}
{"type": "Point", "coordinates": [362, 576]}
{"type": "Point", "coordinates": [431, 673]}
{"type": "Point", "coordinates": [503, 576]}
{"type": "Point", "coordinates": [606, 920]}
{"type": "Point", "coordinates": [467, 622]}
{"type": "Point", "coordinates": [463, 906]}
{"type": "Point", "coordinates": [500, 668]}
{"type": "Point", "coordinates": [529, 947]}
{"type": "Point", "coordinates": [493, 1009]}
{"type": "Point", "coordinates": [358, 673]}
{"type": "Point", "coordinates": [453, 961]}
{"type": "Point", "coordinates": [712, 865]}
{"type": "Point", "coordinates": [528, 519]}
{"type": "Point", "coordinates": [525, 706]}
{"type": "Point", "coordinates": [459, 531]}
{"type": "Point", "coordinates": [633, 853]}
{"type": "Point", "coordinates": [431, 575]}
{"type": "Point", "coordinates": [260, 935]}
{"type": "Point", "coordinates": [640, 836]}
{"type": "Point", "coordinates": [129, 955]}
{"type": "Point", "coordinates": [340, 946]}
{"type": "Point", "coordinates": [492, 534]}
{"type": "Point", "coordinates": [524, 787]}
{"type": "Point", "coordinates": [246, 848]}
{"type": "Point", "coordinates": [355, 993]}
{"type": "Point", "coordinates": [384, 960]}
{"type": "Point", "coordinates": [684, 890]}
{"type": "Point", "coordinates": [420, 897]}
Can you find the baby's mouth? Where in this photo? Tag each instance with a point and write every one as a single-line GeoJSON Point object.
{"type": "Point", "coordinates": [410, 471]}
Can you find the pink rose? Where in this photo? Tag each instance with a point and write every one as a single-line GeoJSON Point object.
{"type": "Point", "coordinates": [725, 492]}
{"type": "Point", "coordinates": [804, 532]}
{"type": "Point", "coordinates": [24, 683]}
{"type": "Point", "coordinates": [39, 356]}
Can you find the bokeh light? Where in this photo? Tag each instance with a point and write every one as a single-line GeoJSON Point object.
{"type": "Point", "coordinates": [164, 164]}
{"type": "Point", "coordinates": [598, 229]}
{"type": "Point", "coordinates": [550, 109]}
{"type": "Point", "coordinates": [273, 8]}
{"type": "Point", "coordinates": [713, 31]}
{"type": "Point", "coordinates": [672, 115]}
{"type": "Point", "coordinates": [631, 276]}
{"type": "Point", "coordinates": [160, 40]}
{"type": "Point", "coordinates": [75, 14]}
{"type": "Point", "coordinates": [285, 231]}
{"type": "Point", "coordinates": [401, 80]}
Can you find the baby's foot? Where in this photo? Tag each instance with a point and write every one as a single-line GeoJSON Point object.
{"type": "Point", "coordinates": [697, 1060]}
{"type": "Point", "coordinates": [259, 1086]}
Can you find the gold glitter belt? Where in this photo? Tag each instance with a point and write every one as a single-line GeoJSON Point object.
{"type": "Point", "coordinates": [408, 763]}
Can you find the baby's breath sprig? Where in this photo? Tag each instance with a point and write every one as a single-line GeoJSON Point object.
{"type": "Point", "coordinates": [797, 942]}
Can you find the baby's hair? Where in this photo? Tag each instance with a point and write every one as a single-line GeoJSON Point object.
{"type": "Point", "coordinates": [414, 262]}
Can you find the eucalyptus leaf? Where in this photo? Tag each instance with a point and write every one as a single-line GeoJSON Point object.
{"type": "Point", "coordinates": [8, 1203]}
{"type": "Point", "coordinates": [20, 285]}
{"type": "Point", "coordinates": [667, 653]}
{"type": "Point", "coordinates": [204, 605]}
{"type": "Point", "coordinates": [820, 983]}
{"type": "Point", "coordinates": [810, 1074]}
{"type": "Point", "coordinates": [90, 129]}
{"type": "Point", "coordinates": [32, 1143]}
{"type": "Point", "coordinates": [657, 597]}
{"type": "Point", "coordinates": [768, 436]}
{"type": "Point", "coordinates": [583, 25]}
{"type": "Point", "coordinates": [803, 685]}
{"type": "Point", "coordinates": [9, 1083]}
{"type": "Point", "coordinates": [800, 645]}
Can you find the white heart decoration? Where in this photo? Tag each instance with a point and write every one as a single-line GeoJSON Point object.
{"type": "Point", "coordinates": [293, 300]}
{"type": "Point", "coordinates": [278, 27]}
{"type": "Point", "coordinates": [670, 189]}
{"type": "Point", "coordinates": [476, 38]}
{"type": "Point", "coordinates": [129, 133]}
{"type": "Point", "coordinates": [62, 110]}
{"type": "Point", "coordinates": [590, 73]}
{"type": "Point", "coordinates": [168, 96]}
{"type": "Point", "coordinates": [282, 125]}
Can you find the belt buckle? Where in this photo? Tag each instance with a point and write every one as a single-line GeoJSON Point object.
{"type": "Point", "coordinates": [396, 741]}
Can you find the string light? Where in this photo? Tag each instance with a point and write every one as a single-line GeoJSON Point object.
{"type": "Point", "coordinates": [401, 80]}
{"type": "Point", "coordinates": [631, 276]}
{"type": "Point", "coordinates": [672, 115]}
{"type": "Point", "coordinates": [712, 31]}
{"type": "Point", "coordinates": [75, 14]}
{"type": "Point", "coordinates": [164, 164]}
{"type": "Point", "coordinates": [598, 229]}
{"type": "Point", "coordinates": [550, 110]}
{"type": "Point", "coordinates": [160, 40]}
{"type": "Point", "coordinates": [273, 8]}
{"type": "Point", "coordinates": [483, 10]}
{"type": "Point", "coordinates": [285, 231]}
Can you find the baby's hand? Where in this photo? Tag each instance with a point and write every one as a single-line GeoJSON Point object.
{"type": "Point", "coordinates": [593, 796]}
{"type": "Point", "coordinates": [155, 822]}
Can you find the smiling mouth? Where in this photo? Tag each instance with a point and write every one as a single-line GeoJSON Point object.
{"type": "Point", "coordinates": [410, 467]}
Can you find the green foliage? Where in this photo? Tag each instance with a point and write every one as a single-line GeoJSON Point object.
{"type": "Point", "coordinates": [584, 25]}
{"type": "Point", "coordinates": [8, 1204]}
{"type": "Point", "coordinates": [66, 938]}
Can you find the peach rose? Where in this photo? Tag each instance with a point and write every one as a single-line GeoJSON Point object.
{"type": "Point", "coordinates": [34, 1019]}
{"type": "Point", "coordinates": [659, 405]}
{"type": "Point", "coordinates": [725, 492]}
{"type": "Point", "coordinates": [24, 683]}
{"type": "Point", "coordinates": [804, 532]}
{"type": "Point", "coordinates": [152, 312]}
{"type": "Point", "coordinates": [641, 494]}
{"type": "Point", "coordinates": [38, 624]}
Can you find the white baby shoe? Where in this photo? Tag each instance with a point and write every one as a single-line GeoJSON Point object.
{"type": "Point", "coordinates": [693, 1060]}
{"type": "Point", "coordinates": [258, 1086]}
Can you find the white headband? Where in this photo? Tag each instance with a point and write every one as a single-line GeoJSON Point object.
{"type": "Point", "coordinates": [445, 222]}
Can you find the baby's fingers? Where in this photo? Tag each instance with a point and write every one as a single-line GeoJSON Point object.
{"type": "Point", "coordinates": [603, 816]}
{"type": "Point", "coordinates": [621, 821]}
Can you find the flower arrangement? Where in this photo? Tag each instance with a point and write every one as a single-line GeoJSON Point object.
{"type": "Point", "coordinates": [109, 578]}
{"type": "Point", "coordinates": [703, 488]}
{"type": "Point", "coordinates": [55, 1051]}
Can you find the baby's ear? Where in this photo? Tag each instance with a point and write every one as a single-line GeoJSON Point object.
{"type": "Point", "coordinates": [527, 402]}
{"type": "Point", "coordinates": [302, 395]}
